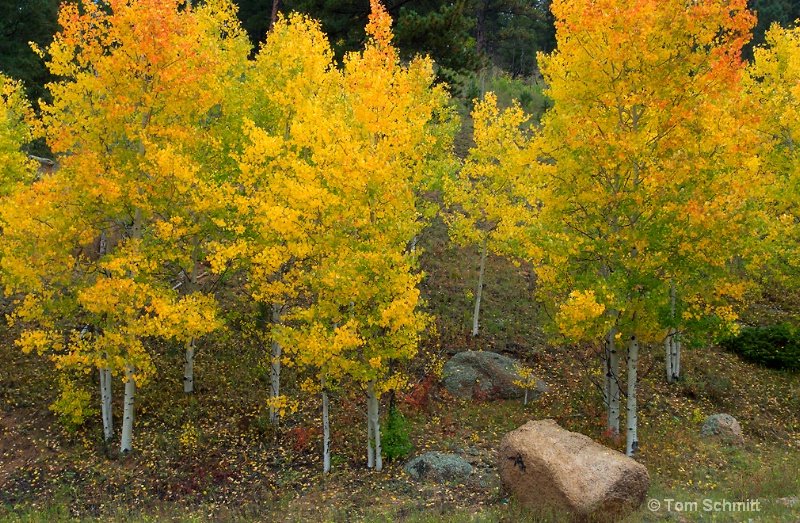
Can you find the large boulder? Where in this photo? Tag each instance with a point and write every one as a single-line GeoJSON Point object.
{"type": "Point", "coordinates": [724, 427]}
{"type": "Point", "coordinates": [549, 468]}
{"type": "Point", "coordinates": [487, 375]}
{"type": "Point", "coordinates": [438, 466]}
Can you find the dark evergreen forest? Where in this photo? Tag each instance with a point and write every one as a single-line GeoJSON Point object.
{"type": "Point", "coordinates": [462, 36]}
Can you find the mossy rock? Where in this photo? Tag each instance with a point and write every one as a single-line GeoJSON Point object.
{"type": "Point", "coordinates": [724, 427]}
{"type": "Point", "coordinates": [438, 466]}
{"type": "Point", "coordinates": [485, 375]}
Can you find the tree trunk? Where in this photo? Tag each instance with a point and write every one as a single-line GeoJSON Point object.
{"type": "Point", "coordinates": [476, 314]}
{"type": "Point", "coordinates": [105, 372]}
{"type": "Point", "coordinates": [673, 344]}
{"type": "Point", "coordinates": [326, 429]}
{"type": "Point", "coordinates": [480, 28]}
{"type": "Point", "coordinates": [188, 368]}
{"type": "Point", "coordinates": [668, 341]}
{"type": "Point", "coordinates": [606, 376]}
{"type": "Point", "coordinates": [632, 417]}
{"type": "Point", "coordinates": [612, 382]}
{"type": "Point", "coordinates": [126, 444]}
{"type": "Point", "coordinates": [376, 428]}
{"type": "Point", "coordinates": [274, 15]}
{"type": "Point", "coordinates": [370, 435]}
{"type": "Point", "coordinates": [105, 403]}
{"type": "Point", "coordinates": [275, 368]}
{"type": "Point", "coordinates": [136, 230]}
{"type": "Point", "coordinates": [673, 352]}
{"type": "Point", "coordinates": [102, 245]}
{"type": "Point", "coordinates": [374, 453]}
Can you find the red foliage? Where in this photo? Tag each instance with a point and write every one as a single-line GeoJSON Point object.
{"type": "Point", "coordinates": [611, 436]}
{"type": "Point", "coordinates": [419, 398]}
{"type": "Point", "coordinates": [299, 437]}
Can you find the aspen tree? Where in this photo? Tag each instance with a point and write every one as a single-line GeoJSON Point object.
{"type": "Point", "coordinates": [772, 81]}
{"type": "Point", "coordinates": [16, 171]}
{"type": "Point", "coordinates": [394, 113]}
{"type": "Point", "coordinates": [650, 171]}
{"type": "Point", "coordinates": [294, 74]}
{"type": "Point", "coordinates": [16, 132]}
{"type": "Point", "coordinates": [490, 207]}
{"type": "Point", "coordinates": [333, 174]}
{"type": "Point", "coordinates": [139, 78]}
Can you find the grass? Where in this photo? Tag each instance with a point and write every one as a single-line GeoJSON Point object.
{"type": "Point", "coordinates": [213, 456]}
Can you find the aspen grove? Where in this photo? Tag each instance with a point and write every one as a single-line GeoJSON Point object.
{"type": "Point", "coordinates": [645, 197]}
{"type": "Point", "coordinates": [185, 157]}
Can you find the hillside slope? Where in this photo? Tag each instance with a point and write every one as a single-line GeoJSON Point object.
{"type": "Point", "coordinates": [213, 456]}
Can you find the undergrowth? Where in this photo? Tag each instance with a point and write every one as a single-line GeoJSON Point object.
{"type": "Point", "coordinates": [214, 456]}
{"type": "Point", "coordinates": [774, 346]}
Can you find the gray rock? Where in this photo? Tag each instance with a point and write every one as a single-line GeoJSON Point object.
{"type": "Point", "coordinates": [437, 466]}
{"type": "Point", "coordinates": [724, 427]}
{"type": "Point", "coordinates": [486, 374]}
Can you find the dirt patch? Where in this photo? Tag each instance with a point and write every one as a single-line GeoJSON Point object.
{"type": "Point", "coordinates": [23, 443]}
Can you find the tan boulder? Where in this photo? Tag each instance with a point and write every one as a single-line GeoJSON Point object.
{"type": "Point", "coordinates": [550, 468]}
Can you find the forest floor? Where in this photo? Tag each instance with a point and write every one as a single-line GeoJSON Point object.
{"type": "Point", "coordinates": [214, 456]}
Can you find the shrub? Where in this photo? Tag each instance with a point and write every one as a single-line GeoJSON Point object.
{"type": "Point", "coordinates": [73, 405]}
{"type": "Point", "coordinates": [394, 435]}
{"type": "Point", "coordinates": [777, 346]}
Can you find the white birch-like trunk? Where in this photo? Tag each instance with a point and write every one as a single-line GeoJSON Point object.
{"type": "Point", "coordinates": [105, 372]}
{"type": "Point", "coordinates": [136, 230]}
{"type": "Point", "coordinates": [673, 345]}
{"type": "Point", "coordinates": [326, 430]}
{"type": "Point", "coordinates": [102, 247]}
{"type": "Point", "coordinates": [374, 421]}
{"type": "Point", "coordinates": [275, 368]}
{"type": "Point", "coordinates": [476, 314]}
{"type": "Point", "coordinates": [612, 382]}
{"type": "Point", "coordinates": [370, 435]}
{"type": "Point", "coordinates": [525, 400]}
{"type": "Point", "coordinates": [188, 368]}
{"type": "Point", "coordinates": [105, 403]}
{"type": "Point", "coordinates": [632, 416]}
{"type": "Point", "coordinates": [673, 355]}
{"type": "Point", "coordinates": [606, 377]}
{"type": "Point", "coordinates": [376, 428]}
{"type": "Point", "coordinates": [126, 443]}
{"type": "Point", "coordinates": [668, 341]}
